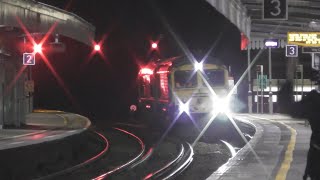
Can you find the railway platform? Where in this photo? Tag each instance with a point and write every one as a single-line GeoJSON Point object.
{"type": "Point", "coordinates": [43, 126]}
{"type": "Point", "coordinates": [278, 150]}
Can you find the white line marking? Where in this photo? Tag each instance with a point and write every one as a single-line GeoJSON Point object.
{"type": "Point", "coordinates": [19, 142]}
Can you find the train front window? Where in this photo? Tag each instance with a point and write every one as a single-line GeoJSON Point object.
{"type": "Point", "coordinates": [215, 77]}
{"type": "Point", "coordinates": [185, 79]}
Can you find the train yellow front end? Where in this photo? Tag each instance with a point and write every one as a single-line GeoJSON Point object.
{"type": "Point", "coordinates": [176, 87]}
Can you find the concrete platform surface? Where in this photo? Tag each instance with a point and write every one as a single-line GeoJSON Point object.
{"type": "Point", "coordinates": [278, 150]}
{"type": "Point", "coordinates": [42, 126]}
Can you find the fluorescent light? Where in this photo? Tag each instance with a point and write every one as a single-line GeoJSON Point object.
{"type": "Point", "coordinates": [271, 43]}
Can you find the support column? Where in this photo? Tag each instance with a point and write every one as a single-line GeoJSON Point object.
{"type": "Point", "coordinates": [262, 90]}
{"type": "Point", "coordinates": [291, 68]}
{"type": "Point", "coordinates": [270, 81]}
{"type": "Point", "coordinates": [249, 82]}
{"type": "Point", "coordinates": [2, 77]}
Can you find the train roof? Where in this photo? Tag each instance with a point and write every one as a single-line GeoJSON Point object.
{"type": "Point", "coordinates": [183, 60]}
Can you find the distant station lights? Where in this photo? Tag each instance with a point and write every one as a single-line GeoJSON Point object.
{"type": "Point", "coordinates": [273, 43]}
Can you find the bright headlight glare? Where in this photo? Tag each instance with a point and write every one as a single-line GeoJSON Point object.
{"type": "Point", "coordinates": [184, 107]}
{"type": "Point", "coordinates": [221, 105]}
{"type": "Point", "coordinates": [198, 66]}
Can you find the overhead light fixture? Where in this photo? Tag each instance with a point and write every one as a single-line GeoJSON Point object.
{"type": "Point", "coordinates": [314, 23]}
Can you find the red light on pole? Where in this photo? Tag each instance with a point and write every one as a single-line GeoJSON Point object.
{"type": "Point", "coordinates": [154, 45]}
{"type": "Point", "coordinates": [37, 48]}
{"type": "Point", "coordinates": [97, 47]}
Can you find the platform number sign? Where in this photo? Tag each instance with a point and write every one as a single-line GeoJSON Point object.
{"type": "Point", "coordinates": [29, 59]}
{"type": "Point", "coordinates": [291, 51]}
{"type": "Point", "coordinates": [275, 10]}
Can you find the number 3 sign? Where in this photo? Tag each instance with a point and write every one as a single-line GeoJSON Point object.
{"type": "Point", "coordinates": [291, 51]}
{"type": "Point", "coordinates": [275, 10]}
{"type": "Point", "coordinates": [29, 59]}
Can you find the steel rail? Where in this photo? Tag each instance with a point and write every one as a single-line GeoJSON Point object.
{"type": "Point", "coordinates": [183, 166]}
{"type": "Point", "coordinates": [121, 167]}
{"type": "Point", "coordinates": [164, 169]}
{"type": "Point", "coordinates": [90, 160]}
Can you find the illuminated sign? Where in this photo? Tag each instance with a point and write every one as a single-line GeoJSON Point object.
{"type": "Point", "coordinates": [308, 39]}
{"type": "Point", "coordinates": [274, 10]}
{"type": "Point", "coordinates": [271, 43]}
{"type": "Point", "coordinates": [291, 51]}
{"type": "Point", "coordinates": [28, 59]}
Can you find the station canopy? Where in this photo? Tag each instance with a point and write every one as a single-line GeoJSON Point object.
{"type": "Point", "coordinates": [303, 16]}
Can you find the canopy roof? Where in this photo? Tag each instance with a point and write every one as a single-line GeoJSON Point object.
{"type": "Point", "coordinates": [303, 15]}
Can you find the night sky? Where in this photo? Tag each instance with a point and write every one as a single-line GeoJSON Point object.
{"type": "Point", "coordinates": [104, 87]}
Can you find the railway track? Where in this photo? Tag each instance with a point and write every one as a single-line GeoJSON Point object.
{"type": "Point", "coordinates": [126, 156]}
{"type": "Point", "coordinates": [82, 164]}
{"type": "Point", "coordinates": [162, 161]}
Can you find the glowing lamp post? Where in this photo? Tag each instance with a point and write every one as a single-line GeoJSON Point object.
{"type": "Point", "coordinates": [270, 43]}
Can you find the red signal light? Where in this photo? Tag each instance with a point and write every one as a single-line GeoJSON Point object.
{"type": "Point", "coordinates": [146, 71]}
{"type": "Point", "coordinates": [37, 48]}
{"type": "Point", "coordinates": [154, 45]}
{"type": "Point", "coordinates": [97, 47]}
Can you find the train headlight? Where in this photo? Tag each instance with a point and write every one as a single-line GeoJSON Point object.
{"type": "Point", "coordinates": [198, 66]}
{"type": "Point", "coordinates": [221, 105]}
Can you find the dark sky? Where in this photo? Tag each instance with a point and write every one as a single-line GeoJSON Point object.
{"type": "Point", "coordinates": [107, 85]}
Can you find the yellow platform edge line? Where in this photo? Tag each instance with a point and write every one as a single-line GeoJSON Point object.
{"type": "Point", "coordinates": [286, 163]}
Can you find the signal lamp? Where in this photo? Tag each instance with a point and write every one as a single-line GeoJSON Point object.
{"type": "Point", "coordinates": [97, 47]}
{"type": "Point", "coordinates": [37, 48]}
{"type": "Point", "coordinates": [154, 45]}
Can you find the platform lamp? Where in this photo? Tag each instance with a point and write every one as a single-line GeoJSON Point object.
{"type": "Point", "coordinates": [57, 45]}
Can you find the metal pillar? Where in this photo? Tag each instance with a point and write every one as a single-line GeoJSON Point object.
{"type": "Point", "coordinates": [315, 64]}
{"type": "Point", "coordinates": [2, 92]}
{"type": "Point", "coordinates": [30, 95]}
{"type": "Point", "coordinates": [291, 68]}
{"type": "Point", "coordinates": [249, 82]}
{"type": "Point", "coordinates": [302, 83]}
{"type": "Point", "coordinates": [29, 77]}
{"type": "Point", "coordinates": [262, 90]}
{"type": "Point", "coordinates": [270, 80]}
{"type": "Point", "coordinates": [257, 86]}
{"type": "Point", "coordinates": [299, 70]}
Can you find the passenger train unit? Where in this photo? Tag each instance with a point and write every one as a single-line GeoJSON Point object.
{"type": "Point", "coordinates": [173, 87]}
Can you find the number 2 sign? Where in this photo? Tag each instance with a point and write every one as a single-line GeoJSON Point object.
{"type": "Point", "coordinates": [275, 10]}
{"type": "Point", "coordinates": [29, 59]}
